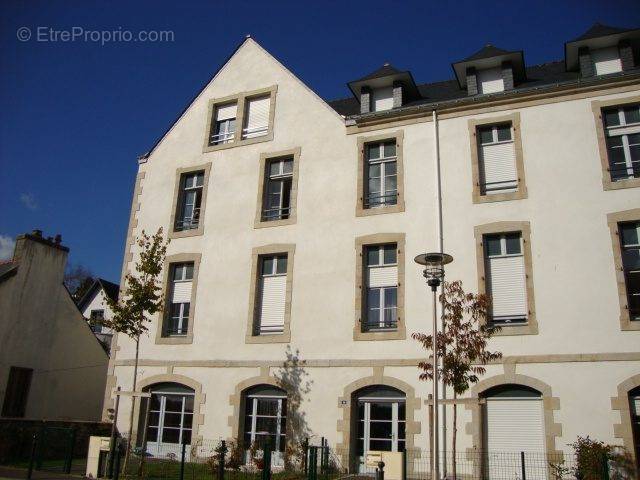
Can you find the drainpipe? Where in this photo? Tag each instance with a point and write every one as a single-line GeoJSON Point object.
{"type": "Point", "coordinates": [440, 230]}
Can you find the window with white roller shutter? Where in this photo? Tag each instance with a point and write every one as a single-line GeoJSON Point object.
{"type": "Point", "coordinates": [490, 80]}
{"type": "Point", "coordinates": [256, 117]}
{"type": "Point", "coordinates": [224, 124]}
{"type": "Point", "coordinates": [606, 60]}
{"type": "Point", "coordinates": [180, 299]}
{"type": "Point", "coordinates": [506, 278]}
{"type": "Point", "coordinates": [497, 154]}
{"type": "Point", "coordinates": [514, 423]}
{"type": "Point", "coordinates": [272, 294]}
{"type": "Point", "coordinates": [382, 287]}
{"type": "Point", "coordinates": [382, 99]}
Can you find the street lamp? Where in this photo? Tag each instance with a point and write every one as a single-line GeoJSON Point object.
{"type": "Point", "coordinates": [434, 273]}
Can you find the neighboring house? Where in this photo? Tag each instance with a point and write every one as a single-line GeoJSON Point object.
{"type": "Point", "coordinates": [294, 223]}
{"type": "Point", "coordinates": [95, 309]}
{"type": "Point", "coordinates": [51, 365]}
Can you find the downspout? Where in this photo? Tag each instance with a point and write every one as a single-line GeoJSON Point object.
{"type": "Point", "coordinates": [443, 389]}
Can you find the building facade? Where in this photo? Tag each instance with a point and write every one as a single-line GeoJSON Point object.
{"type": "Point", "coordinates": [51, 365]}
{"type": "Point", "coordinates": [291, 288]}
{"type": "Point", "coordinates": [95, 308]}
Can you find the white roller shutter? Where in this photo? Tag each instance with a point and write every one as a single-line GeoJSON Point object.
{"type": "Point", "coordinates": [382, 99]}
{"type": "Point", "coordinates": [507, 283]}
{"type": "Point", "coordinates": [606, 60]}
{"type": "Point", "coordinates": [383, 276]}
{"type": "Point", "coordinates": [225, 112]}
{"type": "Point", "coordinates": [499, 167]}
{"type": "Point", "coordinates": [181, 292]}
{"type": "Point", "coordinates": [257, 122]}
{"type": "Point", "coordinates": [490, 80]}
{"type": "Point", "coordinates": [273, 292]}
{"type": "Point", "coordinates": [515, 425]}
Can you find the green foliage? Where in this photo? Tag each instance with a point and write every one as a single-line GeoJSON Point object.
{"type": "Point", "coordinates": [141, 295]}
{"type": "Point", "coordinates": [592, 458]}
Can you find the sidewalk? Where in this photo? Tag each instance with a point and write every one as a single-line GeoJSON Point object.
{"type": "Point", "coordinates": [21, 473]}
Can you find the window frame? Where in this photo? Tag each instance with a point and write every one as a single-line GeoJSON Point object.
{"type": "Point", "coordinates": [241, 100]}
{"type": "Point", "coordinates": [474, 126]}
{"type": "Point", "coordinates": [6, 406]}
{"type": "Point", "coordinates": [613, 220]}
{"type": "Point", "coordinates": [265, 159]}
{"type": "Point", "coordinates": [362, 178]}
{"type": "Point", "coordinates": [164, 317]}
{"type": "Point", "coordinates": [361, 289]}
{"type": "Point", "coordinates": [177, 201]}
{"type": "Point", "coordinates": [497, 228]}
{"type": "Point", "coordinates": [254, 298]}
{"type": "Point", "coordinates": [598, 107]}
{"type": "Point", "coordinates": [382, 303]}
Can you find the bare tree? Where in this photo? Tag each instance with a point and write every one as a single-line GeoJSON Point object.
{"type": "Point", "coordinates": [462, 345]}
{"type": "Point", "coordinates": [139, 300]}
{"type": "Point", "coordinates": [78, 279]}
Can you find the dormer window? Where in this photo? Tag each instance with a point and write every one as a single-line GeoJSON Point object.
{"type": "Point", "coordinates": [385, 89]}
{"type": "Point", "coordinates": [490, 80]}
{"type": "Point", "coordinates": [606, 60]}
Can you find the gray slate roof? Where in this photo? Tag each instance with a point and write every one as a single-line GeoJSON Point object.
{"type": "Point", "coordinates": [488, 51]}
{"type": "Point", "coordinates": [599, 30]}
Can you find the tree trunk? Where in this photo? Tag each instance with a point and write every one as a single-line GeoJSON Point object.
{"type": "Point", "coordinates": [133, 405]}
{"type": "Point", "coordinates": [454, 435]}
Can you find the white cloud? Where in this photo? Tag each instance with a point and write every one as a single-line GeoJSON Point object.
{"type": "Point", "coordinates": [6, 247]}
{"type": "Point", "coordinates": [28, 200]}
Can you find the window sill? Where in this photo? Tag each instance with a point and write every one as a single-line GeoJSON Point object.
{"type": "Point", "coordinates": [500, 197]}
{"type": "Point", "coordinates": [193, 232]}
{"type": "Point", "coordinates": [608, 184]}
{"type": "Point", "coordinates": [365, 212]}
{"type": "Point", "coordinates": [398, 334]}
{"type": "Point", "coordinates": [284, 337]}
{"type": "Point", "coordinates": [275, 223]}
{"type": "Point", "coordinates": [248, 141]}
{"type": "Point", "coordinates": [628, 325]}
{"type": "Point", "coordinates": [524, 329]}
{"type": "Point", "coordinates": [182, 340]}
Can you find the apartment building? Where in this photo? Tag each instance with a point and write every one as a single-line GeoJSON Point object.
{"type": "Point", "coordinates": [294, 223]}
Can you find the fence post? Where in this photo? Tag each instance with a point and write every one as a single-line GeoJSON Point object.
{"type": "Point", "coordinates": [605, 467]}
{"type": "Point", "coordinates": [522, 466]}
{"type": "Point", "coordinates": [380, 471]}
{"type": "Point", "coordinates": [34, 443]}
{"type": "Point", "coordinates": [266, 460]}
{"type": "Point", "coordinates": [305, 462]}
{"type": "Point", "coordinates": [112, 440]}
{"type": "Point", "coordinates": [404, 464]}
{"type": "Point", "coordinates": [116, 460]}
{"type": "Point", "coordinates": [182, 457]}
{"type": "Point", "coordinates": [313, 463]}
{"type": "Point", "coordinates": [41, 442]}
{"type": "Point", "coordinates": [222, 452]}
{"type": "Point", "coordinates": [71, 445]}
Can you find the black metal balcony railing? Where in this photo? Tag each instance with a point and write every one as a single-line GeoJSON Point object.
{"type": "Point", "coordinates": [175, 332]}
{"type": "Point", "coordinates": [379, 326]}
{"type": "Point", "coordinates": [371, 201]}
{"type": "Point", "coordinates": [189, 223]}
{"type": "Point", "coordinates": [277, 213]}
{"type": "Point", "coordinates": [622, 172]}
{"type": "Point", "coordinates": [506, 320]}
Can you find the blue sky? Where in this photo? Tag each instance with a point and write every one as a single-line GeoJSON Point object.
{"type": "Point", "coordinates": [76, 114]}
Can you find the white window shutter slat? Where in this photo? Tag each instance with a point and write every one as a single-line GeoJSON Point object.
{"type": "Point", "coordinates": [490, 80]}
{"type": "Point", "coordinates": [257, 122]}
{"type": "Point", "coordinates": [507, 284]}
{"type": "Point", "coordinates": [181, 292]}
{"type": "Point", "coordinates": [499, 167]}
{"type": "Point", "coordinates": [383, 277]}
{"type": "Point", "coordinates": [273, 294]}
{"type": "Point", "coordinates": [606, 60]}
{"type": "Point", "coordinates": [514, 426]}
{"type": "Point", "coordinates": [382, 99]}
{"type": "Point", "coordinates": [225, 112]}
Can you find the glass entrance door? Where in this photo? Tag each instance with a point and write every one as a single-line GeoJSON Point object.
{"type": "Point", "coordinates": [170, 422]}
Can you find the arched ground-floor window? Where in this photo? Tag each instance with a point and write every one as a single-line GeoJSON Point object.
{"type": "Point", "coordinates": [170, 418]}
{"type": "Point", "coordinates": [265, 420]}
{"type": "Point", "coordinates": [380, 417]}
{"type": "Point", "coordinates": [514, 423]}
{"type": "Point", "coordinates": [634, 409]}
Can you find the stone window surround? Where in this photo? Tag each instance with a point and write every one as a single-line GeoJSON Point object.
{"type": "Point", "coordinates": [531, 328]}
{"type": "Point", "coordinates": [620, 404]}
{"type": "Point", "coordinates": [473, 125]}
{"type": "Point", "coordinates": [198, 401]}
{"type": "Point", "coordinates": [474, 428]}
{"type": "Point", "coordinates": [173, 233]}
{"type": "Point", "coordinates": [240, 99]}
{"type": "Point", "coordinates": [597, 106]}
{"type": "Point", "coordinates": [169, 261]}
{"type": "Point", "coordinates": [256, 253]}
{"type": "Point", "coordinates": [398, 136]}
{"type": "Point", "coordinates": [412, 402]}
{"type": "Point", "coordinates": [293, 212]}
{"type": "Point", "coordinates": [360, 243]}
{"type": "Point", "coordinates": [612, 220]}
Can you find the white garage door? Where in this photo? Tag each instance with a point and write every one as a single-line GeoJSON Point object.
{"type": "Point", "coordinates": [515, 425]}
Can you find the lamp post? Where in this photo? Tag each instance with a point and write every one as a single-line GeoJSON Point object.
{"type": "Point", "coordinates": [434, 273]}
